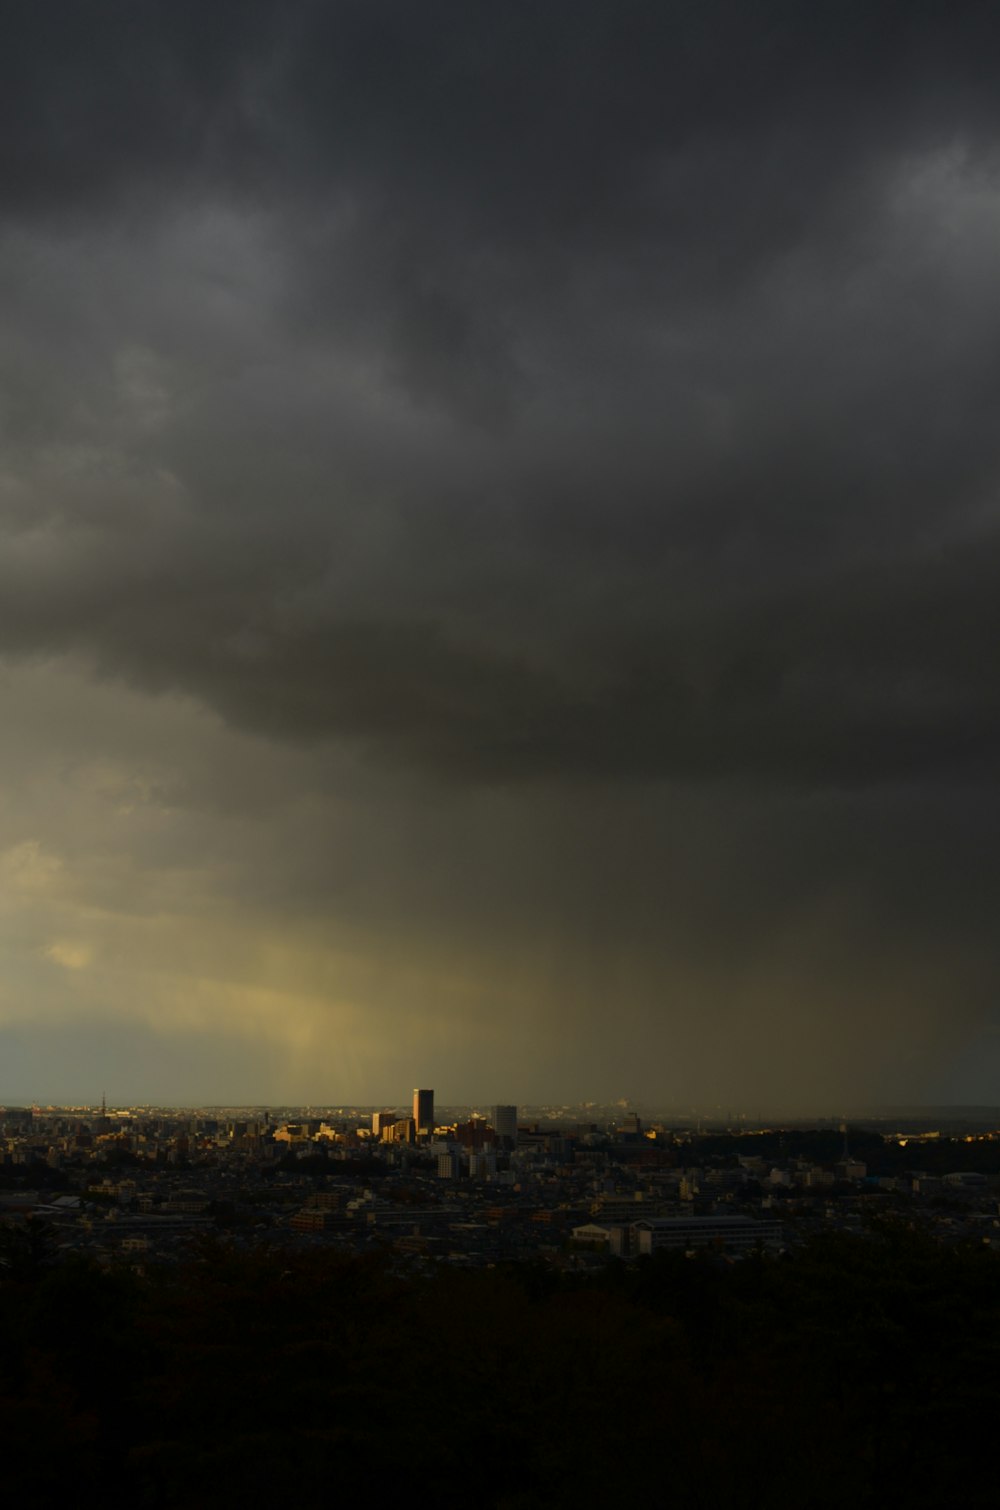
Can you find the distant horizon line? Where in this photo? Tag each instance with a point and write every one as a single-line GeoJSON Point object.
{"type": "Point", "coordinates": [628, 1106]}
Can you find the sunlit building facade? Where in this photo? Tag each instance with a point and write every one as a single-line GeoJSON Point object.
{"type": "Point", "coordinates": [423, 1112]}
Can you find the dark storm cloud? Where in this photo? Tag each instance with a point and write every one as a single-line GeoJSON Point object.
{"type": "Point", "coordinates": [498, 542]}
{"type": "Point", "coordinates": [596, 390]}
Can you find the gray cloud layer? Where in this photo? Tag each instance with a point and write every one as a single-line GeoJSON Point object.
{"type": "Point", "coordinates": [583, 417]}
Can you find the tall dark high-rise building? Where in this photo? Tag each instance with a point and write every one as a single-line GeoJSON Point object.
{"type": "Point", "coordinates": [505, 1125]}
{"type": "Point", "coordinates": [423, 1112]}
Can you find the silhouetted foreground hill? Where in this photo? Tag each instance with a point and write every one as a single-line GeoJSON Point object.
{"type": "Point", "coordinates": [862, 1372]}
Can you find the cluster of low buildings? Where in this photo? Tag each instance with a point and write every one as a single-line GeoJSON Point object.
{"type": "Point", "coordinates": [463, 1187]}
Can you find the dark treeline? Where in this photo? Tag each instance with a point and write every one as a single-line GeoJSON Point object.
{"type": "Point", "coordinates": [935, 1156]}
{"type": "Point", "coordinates": [861, 1371]}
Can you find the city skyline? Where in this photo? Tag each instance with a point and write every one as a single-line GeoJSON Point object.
{"type": "Point", "coordinates": [498, 538]}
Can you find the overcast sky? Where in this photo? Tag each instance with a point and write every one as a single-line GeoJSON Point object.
{"type": "Point", "coordinates": [499, 551]}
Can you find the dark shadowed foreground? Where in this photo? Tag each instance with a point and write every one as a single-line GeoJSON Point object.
{"type": "Point", "coordinates": [858, 1372]}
